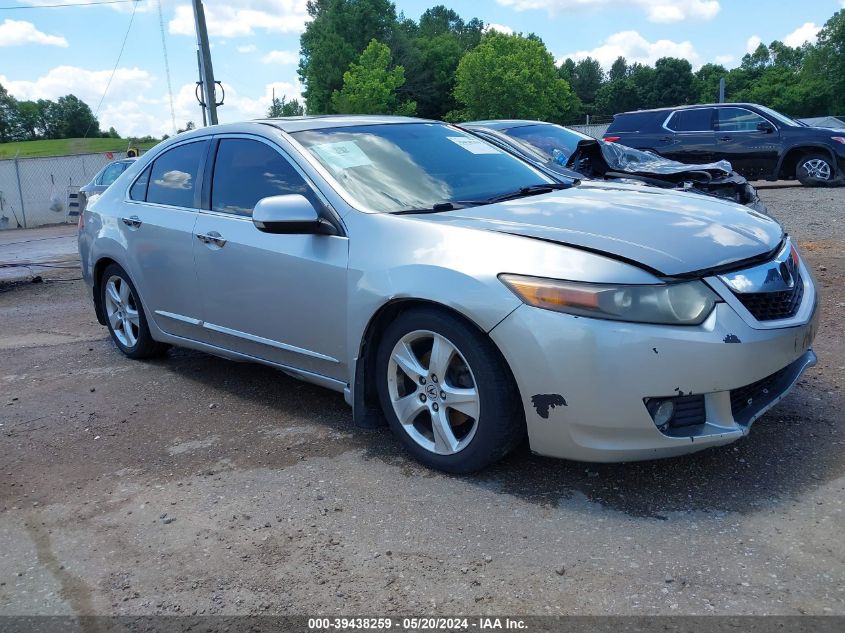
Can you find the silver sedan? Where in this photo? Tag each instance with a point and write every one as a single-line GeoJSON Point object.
{"type": "Point", "coordinates": [452, 290]}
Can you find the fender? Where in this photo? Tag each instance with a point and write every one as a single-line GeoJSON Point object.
{"type": "Point", "coordinates": [809, 145]}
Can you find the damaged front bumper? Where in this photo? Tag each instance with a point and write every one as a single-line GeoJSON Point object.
{"type": "Point", "coordinates": [586, 383]}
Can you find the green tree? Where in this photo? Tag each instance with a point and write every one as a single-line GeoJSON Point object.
{"type": "Point", "coordinates": [8, 115]}
{"type": "Point", "coordinates": [334, 37]}
{"type": "Point", "coordinates": [824, 64]}
{"type": "Point", "coordinates": [283, 107]}
{"type": "Point", "coordinates": [673, 82]}
{"type": "Point", "coordinates": [369, 86]}
{"type": "Point", "coordinates": [706, 82]}
{"type": "Point", "coordinates": [510, 76]}
{"type": "Point", "coordinates": [618, 70]}
{"type": "Point", "coordinates": [617, 96]}
{"type": "Point", "coordinates": [75, 118]}
{"type": "Point", "coordinates": [29, 121]}
{"type": "Point", "coordinates": [587, 78]}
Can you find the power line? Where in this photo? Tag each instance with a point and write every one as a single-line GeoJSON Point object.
{"type": "Point", "coordinates": [114, 70]}
{"type": "Point", "coordinates": [66, 4]}
{"type": "Point", "coordinates": [166, 66]}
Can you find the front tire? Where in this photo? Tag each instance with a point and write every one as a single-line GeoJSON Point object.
{"type": "Point", "coordinates": [815, 170]}
{"type": "Point", "coordinates": [125, 316]}
{"type": "Point", "coordinates": [447, 392]}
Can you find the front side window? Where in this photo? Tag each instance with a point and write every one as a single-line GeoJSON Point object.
{"type": "Point", "coordinates": [245, 171]}
{"type": "Point", "coordinates": [738, 120]}
{"type": "Point", "coordinates": [698, 120]}
{"type": "Point", "coordinates": [173, 180]}
{"type": "Point", "coordinates": [405, 166]}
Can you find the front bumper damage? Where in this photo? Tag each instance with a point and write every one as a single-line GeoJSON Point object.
{"type": "Point", "coordinates": [585, 383]}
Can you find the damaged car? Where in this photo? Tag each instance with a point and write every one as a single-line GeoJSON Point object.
{"type": "Point", "coordinates": [454, 291]}
{"type": "Point", "coordinates": [568, 153]}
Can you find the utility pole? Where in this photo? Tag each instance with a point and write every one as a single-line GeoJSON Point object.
{"type": "Point", "coordinates": [206, 70]}
{"type": "Point", "coordinates": [722, 90]}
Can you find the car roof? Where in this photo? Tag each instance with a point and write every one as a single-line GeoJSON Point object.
{"type": "Point", "coordinates": [688, 107]}
{"type": "Point", "coordinates": [323, 121]}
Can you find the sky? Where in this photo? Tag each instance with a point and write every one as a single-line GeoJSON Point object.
{"type": "Point", "coordinates": [50, 52]}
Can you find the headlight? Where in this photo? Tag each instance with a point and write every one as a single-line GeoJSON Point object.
{"type": "Point", "coordinates": [687, 303]}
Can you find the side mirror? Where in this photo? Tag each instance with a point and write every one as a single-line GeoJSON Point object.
{"type": "Point", "coordinates": [765, 126]}
{"type": "Point", "coordinates": [290, 214]}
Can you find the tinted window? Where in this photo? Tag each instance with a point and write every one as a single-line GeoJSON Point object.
{"type": "Point", "coordinates": [111, 172]}
{"type": "Point", "coordinates": [246, 171]}
{"type": "Point", "coordinates": [174, 175]}
{"type": "Point", "coordinates": [548, 138]}
{"type": "Point", "coordinates": [699, 120]}
{"type": "Point", "coordinates": [403, 166]}
{"type": "Point", "coordinates": [738, 120]}
{"type": "Point", "coordinates": [139, 189]}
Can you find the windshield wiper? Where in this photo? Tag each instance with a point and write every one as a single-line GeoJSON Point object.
{"type": "Point", "coordinates": [532, 190]}
{"type": "Point", "coordinates": [437, 208]}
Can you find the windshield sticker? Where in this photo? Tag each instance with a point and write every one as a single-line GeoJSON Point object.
{"type": "Point", "coordinates": [342, 155]}
{"type": "Point", "coordinates": [474, 145]}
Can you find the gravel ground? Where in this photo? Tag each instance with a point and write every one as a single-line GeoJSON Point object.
{"type": "Point", "coordinates": [192, 484]}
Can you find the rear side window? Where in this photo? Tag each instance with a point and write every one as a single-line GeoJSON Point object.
{"type": "Point", "coordinates": [699, 120]}
{"type": "Point", "coordinates": [173, 180]}
{"type": "Point", "coordinates": [738, 120]}
{"type": "Point", "coordinates": [245, 171]}
{"type": "Point", "coordinates": [139, 189]}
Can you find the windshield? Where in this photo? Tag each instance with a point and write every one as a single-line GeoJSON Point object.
{"type": "Point", "coordinates": [403, 166]}
{"type": "Point", "coordinates": [780, 117]}
{"type": "Point", "coordinates": [547, 138]}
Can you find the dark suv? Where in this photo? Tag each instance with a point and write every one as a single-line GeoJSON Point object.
{"type": "Point", "coordinates": [759, 142]}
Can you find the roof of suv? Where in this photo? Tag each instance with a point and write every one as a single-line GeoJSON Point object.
{"type": "Point", "coordinates": [688, 107]}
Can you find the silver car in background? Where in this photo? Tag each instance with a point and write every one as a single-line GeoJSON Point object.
{"type": "Point", "coordinates": [102, 181]}
{"type": "Point", "coordinates": [454, 290]}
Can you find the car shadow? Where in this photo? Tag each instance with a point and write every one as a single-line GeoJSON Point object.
{"type": "Point", "coordinates": [794, 448]}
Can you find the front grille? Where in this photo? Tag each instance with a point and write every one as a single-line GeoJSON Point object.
{"type": "Point", "coordinates": [770, 306]}
{"type": "Point", "coordinates": [744, 398]}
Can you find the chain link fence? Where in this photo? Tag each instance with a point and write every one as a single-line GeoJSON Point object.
{"type": "Point", "coordinates": [38, 191]}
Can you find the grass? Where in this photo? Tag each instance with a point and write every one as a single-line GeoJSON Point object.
{"type": "Point", "coordinates": [66, 147]}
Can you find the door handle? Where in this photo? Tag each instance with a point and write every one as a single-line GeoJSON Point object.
{"type": "Point", "coordinates": [726, 138]}
{"type": "Point", "coordinates": [212, 237]}
{"type": "Point", "coordinates": [665, 139]}
{"type": "Point", "coordinates": [132, 221]}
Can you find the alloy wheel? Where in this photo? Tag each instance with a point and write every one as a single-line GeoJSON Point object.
{"type": "Point", "coordinates": [122, 311]}
{"type": "Point", "coordinates": [817, 168]}
{"type": "Point", "coordinates": [433, 392]}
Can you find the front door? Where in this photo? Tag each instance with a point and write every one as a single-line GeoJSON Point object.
{"type": "Point", "coordinates": [752, 152]}
{"type": "Point", "coordinates": [157, 225]}
{"type": "Point", "coordinates": [280, 298]}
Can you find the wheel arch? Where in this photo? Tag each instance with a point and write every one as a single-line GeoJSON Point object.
{"type": "Point", "coordinates": [366, 409]}
{"type": "Point", "coordinates": [100, 267]}
{"type": "Point", "coordinates": [789, 161]}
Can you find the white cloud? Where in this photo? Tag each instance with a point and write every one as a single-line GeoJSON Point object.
{"type": "Point", "coordinates": [725, 60]}
{"type": "Point", "coordinates": [807, 32]}
{"type": "Point", "coordinates": [635, 48]}
{"type": "Point", "coordinates": [280, 57]}
{"type": "Point", "coordinates": [248, 48]}
{"type": "Point", "coordinates": [657, 10]}
{"type": "Point", "coordinates": [752, 43]}
{"type": "Point", "coordinates": [17, 32]}
{"type": "Point", "coordinates": [88, 85]}
{"type": "Point", "coordinates": [241, 18]}
{"type": "Point", "coordinates": [501, 28]}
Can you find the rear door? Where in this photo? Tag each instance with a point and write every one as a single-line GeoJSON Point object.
{"type": "Point", "coordinates": [753, 153]}
{"type": "Point", "coordinates": [694, 137]}
{"type": "Point", "coordinates": [280, 298]}
{"type": "Point", "coordinates": [157, 227]}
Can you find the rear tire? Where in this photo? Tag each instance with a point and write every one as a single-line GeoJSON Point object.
{"type": "Point", "coordinates": [815, 170]}
{"type": "Point", "coordinates": [447, 392]}
{"type": "Point", "coordinates": [125, 316]}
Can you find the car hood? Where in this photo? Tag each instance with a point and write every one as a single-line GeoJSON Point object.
{"type": "Point", "coordinates": [671, 233]}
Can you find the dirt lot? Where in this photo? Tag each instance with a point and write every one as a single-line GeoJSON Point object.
{"type": "Point", "coordinates": [197, 485]}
